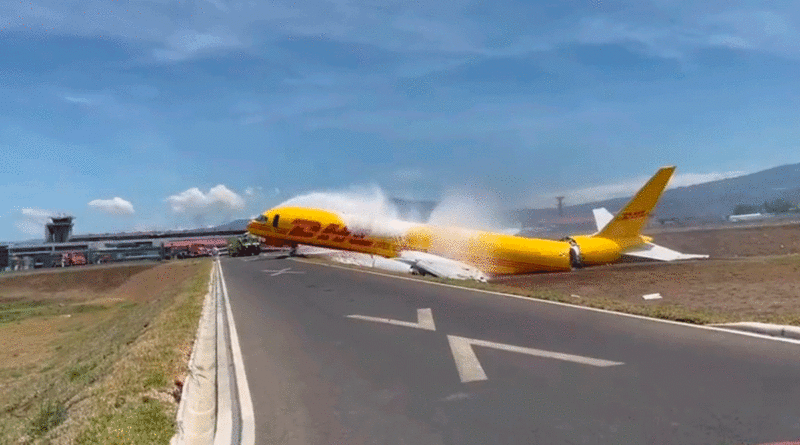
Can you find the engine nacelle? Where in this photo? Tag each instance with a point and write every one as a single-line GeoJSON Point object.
{"type": "Point", "coordinates": [594, 251]}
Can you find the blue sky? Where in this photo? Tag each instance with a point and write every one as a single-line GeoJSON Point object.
{"type": "Point", "coordinates": [156, 114]}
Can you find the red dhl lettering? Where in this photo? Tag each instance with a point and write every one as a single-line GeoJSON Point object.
{"type": "Point", "coordinates": [304, 228]}
{"type": "Point", "coordinates": [633, 215]}
{"type": "Point", "coordinates": [334, 233]}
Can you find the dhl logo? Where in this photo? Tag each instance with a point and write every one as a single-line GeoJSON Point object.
{"type": "Point", "coordinates": [633, 215]}
{"type": "Point", "coordinates": [305, 228]}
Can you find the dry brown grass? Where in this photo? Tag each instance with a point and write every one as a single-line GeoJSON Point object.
{"type": "Point", "coordinates": [75, 281]}
{"type": "Point", "coordinates": [746, 289]}
{"type": "Point", "coordinates": [70, 332]}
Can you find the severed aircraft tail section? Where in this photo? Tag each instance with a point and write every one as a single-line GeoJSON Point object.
{"type": "Point", "coordinates": [628, 223]}
{"type": "Point", "coordinates": [625, 228]}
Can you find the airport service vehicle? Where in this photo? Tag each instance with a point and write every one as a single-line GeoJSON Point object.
{"type": "Point", "coordinates": [244, 246]}
{"type": "Point", "coordinates": [75, 258]}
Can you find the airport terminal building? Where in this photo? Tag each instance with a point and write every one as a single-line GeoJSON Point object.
{"type": "Point", "coordinates": [60, 248]}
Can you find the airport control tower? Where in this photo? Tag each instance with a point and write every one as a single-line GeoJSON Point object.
{"type": "Point", "coordinates": [59, 230]}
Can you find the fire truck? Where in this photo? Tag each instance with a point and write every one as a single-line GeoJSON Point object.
{"type": "Point", "coordinates": [74, 258]}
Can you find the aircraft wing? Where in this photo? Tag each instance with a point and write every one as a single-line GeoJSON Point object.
{"type": "Point", "coordinates": [656, 252]}
{"type": "Point", "coordinates": [429, 264]}
{"type": "Point", "coordinates": [409, 261]}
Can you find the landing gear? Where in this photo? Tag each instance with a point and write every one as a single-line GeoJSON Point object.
{"type": "Point", "coordinates": [293, 251]}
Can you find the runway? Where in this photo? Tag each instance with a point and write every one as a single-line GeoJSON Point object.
{"type": "Point", "coordinates": [341, 356]}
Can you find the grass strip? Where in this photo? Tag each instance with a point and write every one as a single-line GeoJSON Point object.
{"type": "Point", "coordinates": [137, 401]}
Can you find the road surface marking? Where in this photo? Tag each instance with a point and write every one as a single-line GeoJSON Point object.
{"type": "Point", "coordinates": [470, 369]}
{"type": "Point", "coordinates": [275, 273]}
{"type": "Point", "coordinates": [424, 320]}
{"type": "Point", "coordinates": [558, 303]}
{"type": "Point", "coordinates": [248, 433]}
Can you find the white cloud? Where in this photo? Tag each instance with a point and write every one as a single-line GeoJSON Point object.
{"type": "Point", "coordinates": [194, 199]}
{"type": "Point", "coordinates": [185, 43]}
{"type": "Point", "coordinates": [115, 206]}
{"type": "Point", "coordinates": [77, 100]}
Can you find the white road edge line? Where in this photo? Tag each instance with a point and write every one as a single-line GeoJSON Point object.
{"type": "Point", "coordinates": [558, 303]}
{"type": "Point", "coordinates": [424, 320]}
{"type": "Point", "coordinates": [248, 436]}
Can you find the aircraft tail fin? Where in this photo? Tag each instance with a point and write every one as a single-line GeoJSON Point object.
{"type": "Point", "coordinates": [630, 220]}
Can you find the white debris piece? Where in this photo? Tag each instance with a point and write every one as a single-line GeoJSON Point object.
{"type": "Point", "coordinates": [655, 296]}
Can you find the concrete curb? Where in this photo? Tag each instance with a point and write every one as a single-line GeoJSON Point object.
{"type": "Point", "coordinates": [227, 409]}
{"type": "Point", "coordinates": [198, 406]}
{"type": "Point", "coordinates": [775, 330]}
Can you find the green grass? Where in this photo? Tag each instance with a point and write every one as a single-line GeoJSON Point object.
{"type": "Point", "coordinates": [127, 411]}
{"type": "Point", "coordinates": [50, 415]}
{"type": "Point", "coordinates": [21, 310]}
{"type": "Point", "coordinates": [147, 422]}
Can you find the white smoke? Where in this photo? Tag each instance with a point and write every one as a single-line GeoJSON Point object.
{"type": "Point", "coordinates": [31, 221]}
{"type": "Point", "coordinates": [193, 199]}
{"type": "Point", "coordinates": [114, 206]}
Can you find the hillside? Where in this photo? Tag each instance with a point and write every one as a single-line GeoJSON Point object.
{"type": "Point", "coordinates": [707, 202]}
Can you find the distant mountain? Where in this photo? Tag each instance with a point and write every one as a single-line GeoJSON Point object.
{"type": "Point", "coordinates": [706, 202]}
{"type": "Point", "coordinates": [238, 224]}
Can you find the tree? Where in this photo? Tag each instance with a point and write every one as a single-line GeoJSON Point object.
{"type": "Point", "coordinates": [779, 205]}
{"type": "Point", "coordinates": [745, 209]}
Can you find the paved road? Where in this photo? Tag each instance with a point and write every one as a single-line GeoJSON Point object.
{"type": "Point", "coordinates": [319, 377]}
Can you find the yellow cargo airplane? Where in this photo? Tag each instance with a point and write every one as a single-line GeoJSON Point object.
{"type": "Point", "coordinates": [491, 253]}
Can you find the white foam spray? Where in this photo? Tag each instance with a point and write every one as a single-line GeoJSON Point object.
{"type": "Point", "coordinates": [470, 209]}
{"type": "Point", "coordinates": [363, 209]}
{"type": "Point", "coordinates": [366, 208]}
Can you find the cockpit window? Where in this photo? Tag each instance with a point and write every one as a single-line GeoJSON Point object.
{"type": "Point", "coordinates": [261, 218]}
{"type": "Point", "coordinates": [275, 221]}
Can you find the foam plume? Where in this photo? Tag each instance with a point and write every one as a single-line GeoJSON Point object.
{"type": "Point", "coordinates": [363, 209]}
{"type": "Point", "coordinates": [368, 210]}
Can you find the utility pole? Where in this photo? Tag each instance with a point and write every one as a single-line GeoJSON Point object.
{"type": "Point", "coordinates": [560, 205]}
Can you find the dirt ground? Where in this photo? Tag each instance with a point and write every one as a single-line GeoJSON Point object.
{"type": "Point", "coordinates": [744, 289]}
{"type": "Point", "coordinates": [734, 241]}
{"type": "Point", "coordinates": [753, 275]}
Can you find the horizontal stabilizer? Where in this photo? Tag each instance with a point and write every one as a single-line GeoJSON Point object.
{"type": "Point", "coordinates": [656, 252]}
{"type": "Point", "coordinates": [602, 217]}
